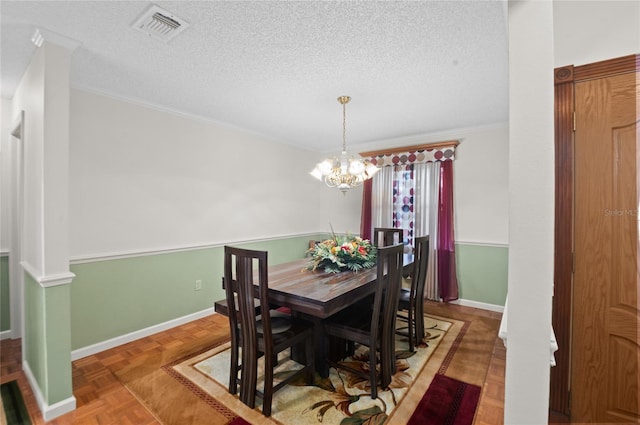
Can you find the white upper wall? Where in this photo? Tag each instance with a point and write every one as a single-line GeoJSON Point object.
{"type": "Point", "coordinates": [142, 179]}
{"type": "Point", "coordinates": [342, 212]}
{"type": "Point", "coordinates": [592, 31]}
{"type": "Point", "coordinates": [481, 180]}
{"type": "Point", "coordinates": [481, 187]}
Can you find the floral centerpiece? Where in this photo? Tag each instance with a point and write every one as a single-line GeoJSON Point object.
{"type": "Point", "coordinates": [341, 253]}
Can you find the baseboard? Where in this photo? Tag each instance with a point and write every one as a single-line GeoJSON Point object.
{"type": "Point", "coordinates": [123, 339]}
{"type": "Point", "coordinates": [480, 305]}
{"type": "Point", "coordinates": [49, 412]}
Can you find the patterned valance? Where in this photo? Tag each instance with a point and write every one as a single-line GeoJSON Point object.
{"type": "Point", "coordinates": [444, 151]}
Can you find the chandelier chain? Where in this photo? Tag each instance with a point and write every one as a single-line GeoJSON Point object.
{"type": "Point", "coordinates": [344, 126]}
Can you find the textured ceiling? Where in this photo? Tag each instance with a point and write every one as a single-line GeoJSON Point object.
{"type": "Point", "coordinates": [276, 67]}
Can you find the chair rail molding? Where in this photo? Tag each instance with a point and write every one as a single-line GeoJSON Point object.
{"type": "Point", "coordinates": [47, 281]}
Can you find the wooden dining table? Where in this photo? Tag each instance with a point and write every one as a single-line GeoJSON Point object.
{"type": "Point", "coordinates": [316, 295]}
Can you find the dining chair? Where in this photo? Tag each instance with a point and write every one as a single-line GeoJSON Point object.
{"type": "Point", "coordinates": [264, 335]}
{"type": "Point", "coordinates": [412, 299]}
{"type": "Point", "coordinates": [376, 331]}
{"type": "Point", "coordinates": [383, 236]}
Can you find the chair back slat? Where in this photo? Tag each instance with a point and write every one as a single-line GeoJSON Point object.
{"type": "Point", "coordinates": [413, 300]}
{"type": "Point", "coordinates": [383, 326]}
{"type": "Point", "coordinates": [242, 267]}
{"type": "Point", "coordinates": [385, 236]}
{"type": "Point", "coordinates": [421, 263]}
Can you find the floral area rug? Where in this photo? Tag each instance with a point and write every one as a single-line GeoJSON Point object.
{"type": "Point", "coordinates": [341, 398]}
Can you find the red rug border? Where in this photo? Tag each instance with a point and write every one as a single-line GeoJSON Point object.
{"type": "Point", "coordinates": [454, 347]}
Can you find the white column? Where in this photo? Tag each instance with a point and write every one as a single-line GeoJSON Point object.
{"type": "Point", "coordinates": [43, 96]}
{"type": "Point", "coordinates": [531, 211]}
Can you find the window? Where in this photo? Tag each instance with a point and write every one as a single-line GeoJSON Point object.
{"type": "Point", "coordinates": [403, 209]}
{"type": "Point", "coordinates": [414, 191]}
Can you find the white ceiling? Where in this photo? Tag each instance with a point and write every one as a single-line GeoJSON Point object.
{"type": "Point", "coordinates": [276, 67]}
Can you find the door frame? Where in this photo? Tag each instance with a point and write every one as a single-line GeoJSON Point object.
{"type": "Point", "coordinates": [565, 79]}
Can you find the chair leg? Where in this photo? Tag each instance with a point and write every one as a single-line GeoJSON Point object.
{"type": "Point", "coordinates": [410, 324]}
{"type": "Point", "coordinates": [372, 372]}
{"type": "Point", "coordinates": [351, 348]}
{"type": "Point", "coordinates": [249, 377]}
{"type": "Point", "coordinates": [233, 373]}
{"type": "Point", "coordinates": [387, 361]}
{"type": "Point", "coordinates": [269, 364]}
{"type": "Point", "coordinates": [419, 321]}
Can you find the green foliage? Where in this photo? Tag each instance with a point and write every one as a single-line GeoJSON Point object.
{"type": "Point", "coordinates": [340, 253]}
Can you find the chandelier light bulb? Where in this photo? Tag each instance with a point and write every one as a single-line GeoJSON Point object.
{"type": "Point", "coordinates": [356, 167]}
{"type": "Point", "coordinates": [325, 167]}
{"type": "Point", "coordinates": [371, 169]}
{"type": "Point", "coordinates": [316, 173]}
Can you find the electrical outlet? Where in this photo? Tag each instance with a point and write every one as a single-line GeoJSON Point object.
{"type": "Point", "coordinates": [198, 285]}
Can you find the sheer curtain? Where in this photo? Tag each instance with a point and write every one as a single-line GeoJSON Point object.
{"type": "Point", "coordinates": [382, 198]}
{"type": "Point", "coordinates": [427, 184]}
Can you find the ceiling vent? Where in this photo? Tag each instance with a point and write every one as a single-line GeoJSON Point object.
{"type": "Point", "coordinates": [160, 24]}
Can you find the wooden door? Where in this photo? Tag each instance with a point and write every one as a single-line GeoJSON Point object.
{"type": "Point", "coordinates": [605, 335]}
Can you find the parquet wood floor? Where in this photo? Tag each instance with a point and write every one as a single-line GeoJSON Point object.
{"type": "Point", "coordinates": [102, 400]}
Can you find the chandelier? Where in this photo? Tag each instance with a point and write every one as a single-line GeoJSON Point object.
{"type": "Point", "coordinates": [344, 172]}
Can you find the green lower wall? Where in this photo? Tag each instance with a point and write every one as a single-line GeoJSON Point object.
{"type": "Point", "coordinates": [5, 301]}
{"type": "Point", "coordinates": [33, 347]}
{"type": "Point", "coordinates": [47, 338]}
{"type": "Point", "coordinates": [116, 297]}
{"type": "Point", "coordinates": [482, 273]}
